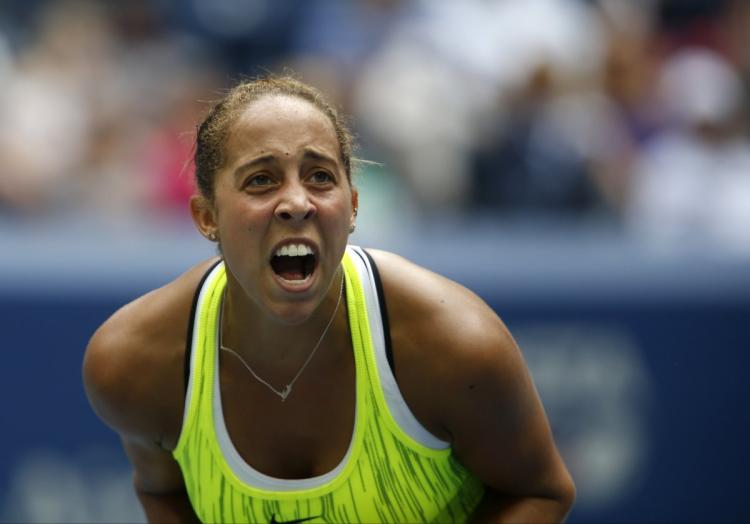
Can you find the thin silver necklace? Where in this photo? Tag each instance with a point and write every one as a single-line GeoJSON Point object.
{"type": "Point", "coordinates": [284, 393]}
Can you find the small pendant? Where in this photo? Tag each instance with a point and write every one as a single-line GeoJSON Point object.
{"type": "Point", "coordinates": [285, 393]}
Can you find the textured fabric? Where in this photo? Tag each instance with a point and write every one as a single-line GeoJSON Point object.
{"type": "Point", "coordinates": [386, 475]}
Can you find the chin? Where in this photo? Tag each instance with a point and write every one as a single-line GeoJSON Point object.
{"type": "Point", "coordinates": [292, 313]}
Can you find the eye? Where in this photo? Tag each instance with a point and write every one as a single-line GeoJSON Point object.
{"type": "Point", "coordinates": [259, 180]}
{"type": "Point", "coordinates": [321, 177]}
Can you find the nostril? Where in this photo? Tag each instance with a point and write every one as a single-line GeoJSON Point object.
{"type": "Point", "coordinates": [295, 213]}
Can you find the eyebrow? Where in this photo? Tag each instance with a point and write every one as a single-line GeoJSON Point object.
{"type": "Point", "coordinates": [263, 159]}
{"type": "Point", "coordinates": [316, 155]}
{"type": "Point", "coordinates": [309, 154]}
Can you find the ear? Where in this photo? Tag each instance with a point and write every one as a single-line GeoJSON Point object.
{"type": "Point", "coordinates": [204, 216]}
{"type": "Point", "coordinates": [355, 204]}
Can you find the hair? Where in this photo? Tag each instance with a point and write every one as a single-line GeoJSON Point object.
{"type": "Point", "coordinates": [215, 128]}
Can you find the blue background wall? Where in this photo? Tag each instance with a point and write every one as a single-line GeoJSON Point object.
{"type": "Point", "coordinates": [642, 372]}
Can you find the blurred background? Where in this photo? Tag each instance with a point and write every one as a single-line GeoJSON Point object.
{"type": "Point", "coordinates": [584, 166]}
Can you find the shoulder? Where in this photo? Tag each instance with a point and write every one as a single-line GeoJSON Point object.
{"type": "Point", "coordinates": [430, 305]}
{"type": "Point", "coordinates": [133, 369]}
{"type": "Point", "coordinates": [442, 333]}
{"type": "Point", "coordinates": [464, 379]}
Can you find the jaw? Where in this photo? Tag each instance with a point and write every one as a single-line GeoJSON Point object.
{"type": "Point", "coordinates": [290, 301]}
{"type": "Point", "coordinates": [295, 283]}
{"type": "Point", "coordinates": [295, 302]}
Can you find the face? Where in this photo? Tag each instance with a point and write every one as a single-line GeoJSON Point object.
{"type": "Point", "coordinates": [283, 191]}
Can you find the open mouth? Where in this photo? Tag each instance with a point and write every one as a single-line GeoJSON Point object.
{"type": "Point", "coordinates": [294, 262]}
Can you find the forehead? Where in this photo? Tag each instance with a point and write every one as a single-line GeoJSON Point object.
{"type": "Point", "coordinates": [280, 124]}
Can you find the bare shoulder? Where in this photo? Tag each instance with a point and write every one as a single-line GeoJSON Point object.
{"type": "Point", "coordinates": [442, 333]}
{"type": "Point", "coordinates": [133, 369]}
{"type": "Point", "coordinates": [464, 378]}
{"type": "Point", "coordinates": [430, 305]}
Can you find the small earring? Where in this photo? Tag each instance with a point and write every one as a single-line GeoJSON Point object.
{"type": "Point", "coordinates": [212, 236]}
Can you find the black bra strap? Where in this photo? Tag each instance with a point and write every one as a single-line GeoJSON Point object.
{"type": "Point", "coordinates": [383, 313]}
{"type": "Point", "coordinates": [191, 322]}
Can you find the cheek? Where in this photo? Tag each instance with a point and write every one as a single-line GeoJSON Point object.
{"type": "Point", "coordinates": [244, 214]}
{"type": "Point", "coordinates": [336, 214]}
{"type": "Point", "coordinates": [339, 202]}
{"type": "Point", "coordinates": [242, 228]}
{"type": "Point", "coordinates": [338, 223]}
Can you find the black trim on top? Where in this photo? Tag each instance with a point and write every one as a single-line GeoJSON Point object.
{"type": "Point", "coordinates": [191, 321]}
{"type": "Point", "coordinates": [383, 313]}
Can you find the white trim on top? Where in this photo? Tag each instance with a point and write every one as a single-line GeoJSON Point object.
{"type": "Point", "coordinates": [396, 404]}
{"type": "Point", "coordinates": [244, 471]}
{"type": "Point", "coordinates": [199, 306]}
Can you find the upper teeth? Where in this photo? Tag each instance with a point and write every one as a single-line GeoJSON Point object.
{"type": "Point", "coordinates": [294, 250]}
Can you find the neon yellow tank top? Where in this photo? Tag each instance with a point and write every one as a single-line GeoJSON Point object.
{"type": "Point", "coordinates": [393, 471]}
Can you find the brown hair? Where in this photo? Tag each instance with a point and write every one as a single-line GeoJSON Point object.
{"type": "Point", "coordinates": [214, 130]}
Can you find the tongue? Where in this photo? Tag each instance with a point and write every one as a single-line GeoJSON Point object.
{"type": "Point", "coordinates": [289, 268]}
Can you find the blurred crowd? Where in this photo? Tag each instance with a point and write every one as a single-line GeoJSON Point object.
{"type": "Point", "coordinates": [628, 112]}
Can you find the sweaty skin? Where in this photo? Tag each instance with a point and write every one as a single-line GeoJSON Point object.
{"type": "Point", "coordinates": [283, 179]}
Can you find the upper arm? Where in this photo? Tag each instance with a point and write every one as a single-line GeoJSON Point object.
{"type": "Point", "coordinates": [109, 377]}
{"type": "Point", "coordinates": [496, 420]}
{"type": "Point", "coordinates": [155, 470]}
{"type": "Point", "coordinates": [132, 381]}
{"type": "Point", "coordinates": [133, 369]}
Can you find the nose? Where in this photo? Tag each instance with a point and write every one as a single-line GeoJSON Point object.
{"type": "Point", "coordinates": [295, 204]}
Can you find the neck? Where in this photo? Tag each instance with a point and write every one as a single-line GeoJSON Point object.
{"type": "Point", "coordinates": [251, 331]}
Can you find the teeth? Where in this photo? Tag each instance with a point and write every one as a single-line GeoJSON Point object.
{"type": "Point", "coordinates": [294, 250]}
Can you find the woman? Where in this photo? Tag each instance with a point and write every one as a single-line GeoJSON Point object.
{"type": "Point", "coordinates": [298, 379]}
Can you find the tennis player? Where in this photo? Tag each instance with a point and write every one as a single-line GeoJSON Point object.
{"type": "Point", "coordinates": [296, 378]}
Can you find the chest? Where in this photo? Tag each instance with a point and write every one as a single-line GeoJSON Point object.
{"type": "Point", "coordinates": [303, 436]}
